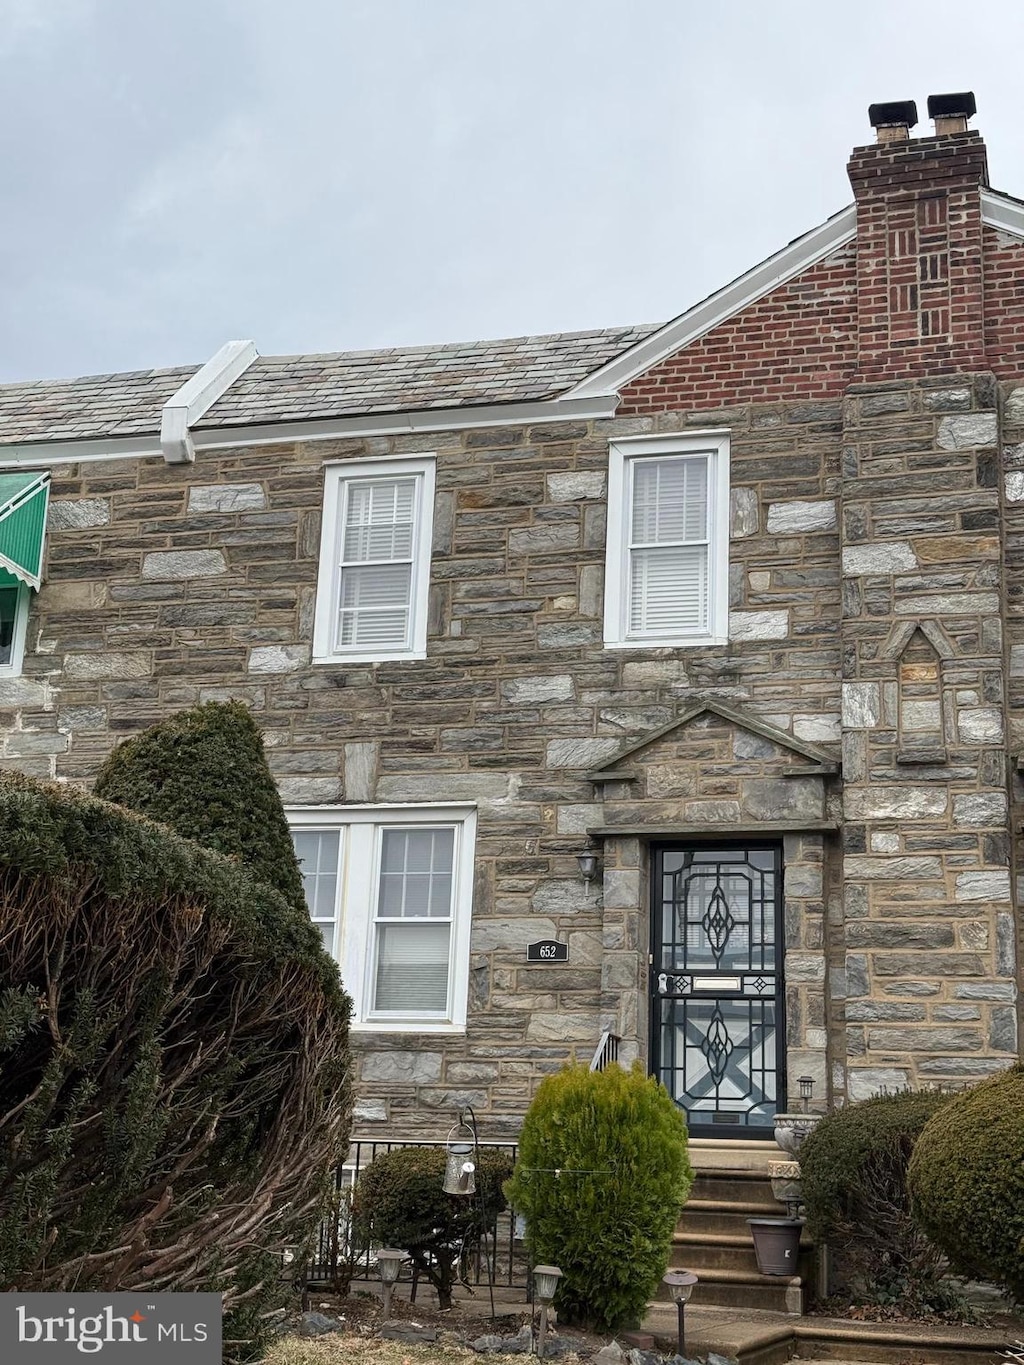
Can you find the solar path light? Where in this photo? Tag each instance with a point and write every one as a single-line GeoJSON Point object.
{"type": "Point", "coordinates": [389, 1263]}
{"type": "Point", "coordinates": [680, 1285]}
{"type": "Point", "coordinates": [545, 1283]}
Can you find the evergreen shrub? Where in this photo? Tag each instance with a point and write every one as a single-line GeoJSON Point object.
{"type": "Point", "coordinates": [853, 1166]}
{"type": "Point", "coordinates": [174, 1078]}
{"type": "Point", "coordinates": [203, 772]}
{"type": "Point", "coordinates": [399, 1201]}
{"type": "Point", "coordinates": [601, 1177]}
{"type": "Point", "coordinates": [967, 1180]}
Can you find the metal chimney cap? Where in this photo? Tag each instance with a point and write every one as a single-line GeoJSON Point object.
{"type": "Point", "coordinates": [894, 113]}
{"type": "Point", "coordinates": [962, 104]}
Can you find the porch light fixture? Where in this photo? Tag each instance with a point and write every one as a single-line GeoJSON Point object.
{"type": "Point", "coordinates": [588, 866]}
{"type": "Point", "coordinates": [545, 1284]}
{"type": "Point", "coordinates": [680, 1285]}
{"type": "Point", "coordinates": [389, 1264]}
{"type": "Point", "coordinates": [806, 1084]}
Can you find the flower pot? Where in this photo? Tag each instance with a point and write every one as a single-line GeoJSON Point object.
{"type": "Point", "coordinates": [776, 1244]}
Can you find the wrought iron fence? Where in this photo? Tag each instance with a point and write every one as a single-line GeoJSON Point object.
{"type": "Point", "coordinates": [339, 1256]}
{"type": "Point", "coordinates": [607, 1051]}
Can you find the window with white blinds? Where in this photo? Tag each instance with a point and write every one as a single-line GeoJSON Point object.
{"type": "Point", "coordinates": [390, 889]}
{"type": "Point", "coordinates": [667, 562]}
{"type": "Point", "coordinates": [374, 560]}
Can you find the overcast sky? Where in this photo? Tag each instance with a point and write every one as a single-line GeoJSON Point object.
{"type": "Point", "coordinates": [324, 175]}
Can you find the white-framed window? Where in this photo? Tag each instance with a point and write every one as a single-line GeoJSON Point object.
{"type": "Point", "coordinates": [13, 623]}
{"type": "Point", "coordinates": [371, 601]}
{"type": "Point", "coordinates": [391, 890]}
{"type": "Point", "coordinates": [667, 565]}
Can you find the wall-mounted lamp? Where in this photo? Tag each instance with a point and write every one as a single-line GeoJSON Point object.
{"type": "Point", "coordinates": [545, 1285]}
{"type": "Point", "coordinates": [806, 1084]}
{"type": "Point", "coordinates": [588, 866]}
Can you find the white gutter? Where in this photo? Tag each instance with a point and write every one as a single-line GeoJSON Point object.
{"type": "Point", "coordinates": [197, 395]}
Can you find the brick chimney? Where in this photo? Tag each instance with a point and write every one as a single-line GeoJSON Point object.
{"type": "Point", "coordinates": [919, 262]}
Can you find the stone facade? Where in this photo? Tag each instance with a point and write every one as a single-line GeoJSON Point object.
{"type": "Point", "coordinates": [866, 713]}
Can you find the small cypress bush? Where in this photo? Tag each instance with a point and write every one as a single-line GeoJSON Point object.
{"type": "Point", "coordinates": [174, 1076]}
{"type": "Point", "coordinates": [854, 1171]}
{"type": "Point", "coordinates": [601, 1177]}
{"type": "Point", "coordinates": [204, 773]}
{"type": "Point", "coordinates": [400, 1202]}
{"type": "Point", "coordinates": [967, 1180]}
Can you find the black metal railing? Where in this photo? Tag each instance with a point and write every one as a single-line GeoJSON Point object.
{"type": "Point", "coordinates": [338, 1255]}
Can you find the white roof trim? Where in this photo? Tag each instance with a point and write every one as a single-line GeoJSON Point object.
{"type": "Point", "coordinates": [792, 260]}
{"type": "Point", "coordinates": [40, 454]}
{"type": "Point", "coordinates": [424, 420]}
{"type": "Point", "coordinates": [1006, 215]}
{"type": "Point", "coordinates": [199, 394]}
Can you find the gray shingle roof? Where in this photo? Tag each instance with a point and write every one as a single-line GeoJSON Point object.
{"type": "Point", "coordinates": [306, 387]}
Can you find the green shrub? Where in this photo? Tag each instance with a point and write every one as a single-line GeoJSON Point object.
{"type": "Point", "coordinates": [967, 1180]}
{"type": "Point", "coordinates": [400, 1202]}
{"type": "Point", "coordinates": [601, 1177]}
{"type": "Point", "coordinates": [173, 1060]}
{"type": "Point", "coordinates": [204, 773]}
{"type": "Point", "coordinates": [854, 1171]}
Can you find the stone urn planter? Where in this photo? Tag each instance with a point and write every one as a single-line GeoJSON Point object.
{"type": "Point", "coordinates": [776, 1244]}
{"type": "Point", "coordinates": [786, 1185]}
{"type": "Point", "coordinates": [791, 1129]}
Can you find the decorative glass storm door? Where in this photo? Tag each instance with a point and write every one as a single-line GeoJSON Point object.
{"type": "Point", "coordinates": [716, 986]}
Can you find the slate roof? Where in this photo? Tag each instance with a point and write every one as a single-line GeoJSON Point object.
{"type": "Point", "coordinates": [306, 387]}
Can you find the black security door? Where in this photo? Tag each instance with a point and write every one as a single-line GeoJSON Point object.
{"type": "Point", "coordinates": [716, 987]}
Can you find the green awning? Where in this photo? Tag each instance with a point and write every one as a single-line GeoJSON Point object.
{"type": "Point", "coordinates": [23, 502]}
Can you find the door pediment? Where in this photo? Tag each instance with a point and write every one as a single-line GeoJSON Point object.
{"type": "Point", "coordinates": [717, 769]}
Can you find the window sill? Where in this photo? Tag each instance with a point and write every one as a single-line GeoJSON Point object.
{"type": "Point", "coordinates": [342, 660]}
{"type": "Point", "coordinates": [681, 642]}
{"type": "Point", "coordinates": [406, 1026]}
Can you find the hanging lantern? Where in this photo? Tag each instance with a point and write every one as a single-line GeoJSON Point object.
{"type": "Point", "coordinates": [460, 1166]}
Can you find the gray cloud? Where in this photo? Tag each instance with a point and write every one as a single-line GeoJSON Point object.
{"type": "Point", "coordinates": [331, 174]}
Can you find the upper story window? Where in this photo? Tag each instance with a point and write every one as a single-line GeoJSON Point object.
{"type": "Point", "coordinates": [667, 567]}
{"type": "Point", "coordinates": [13, 620]}
{"type": "Point", "coordinates": [391, 890]}
{"type": "Point", "coordinates": [374, 561]}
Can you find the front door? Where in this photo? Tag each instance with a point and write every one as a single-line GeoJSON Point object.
{"type": "Point", "coordinates": [716, 984]}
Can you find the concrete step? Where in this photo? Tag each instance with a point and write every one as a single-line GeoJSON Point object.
{"type": "Point", "coordinates": [723, 1251]}
{"type": "Point", "coordinates": [712, 1154]}
{"type": "Point", "coordinates": [740, 1187]}
{"type": "Point", "coordinates": [726, 1288]}
{"type": "Point", "coordinates": [720, 1216]}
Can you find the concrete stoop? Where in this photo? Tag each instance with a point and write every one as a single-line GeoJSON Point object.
{"type": "Point", "coordinates": [712, 1237]}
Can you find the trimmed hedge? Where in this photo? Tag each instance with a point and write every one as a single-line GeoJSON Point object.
{"type": "Point", "coordinates": [174, 1086]}
{"type": "Point", "coordinates": [204, 773]}
{"type": "Point", "coordinates": [967, 1180]}
{"type": "Point", "coordinates": [399, 1202]}
{"type": "Point", "coordinates": [601, 1177]}
{"type": "Point", "coordinates": [853, 1166]}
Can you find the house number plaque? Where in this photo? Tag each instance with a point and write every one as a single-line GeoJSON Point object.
{"type": "Point", "coordinates": [547, 950]}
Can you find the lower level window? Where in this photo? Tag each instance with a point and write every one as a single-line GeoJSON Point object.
{"type": "Point", "coordinates": [390, 888]}
{"type": "Point", "coordinates": [13, 618]}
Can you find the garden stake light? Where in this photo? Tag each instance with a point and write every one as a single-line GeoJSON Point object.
{"type": "Point", "coordinates": [389, 1263]}
{"type": "Point", "coordinates": [680, 1285]}
{"type": "Point", "coordinates": [545, 1283]}
{"type": "Point", "coordinates": [806, 1084]}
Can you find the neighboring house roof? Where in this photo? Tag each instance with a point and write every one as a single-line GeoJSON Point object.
{"type": "Point", "coordinates": [308, 387]}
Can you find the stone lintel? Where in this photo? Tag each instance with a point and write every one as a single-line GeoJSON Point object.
{"type": "Point", "coordinates": [691, 831]}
